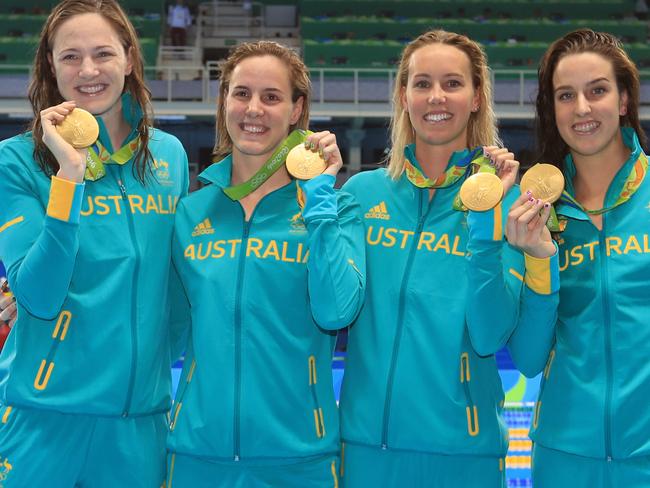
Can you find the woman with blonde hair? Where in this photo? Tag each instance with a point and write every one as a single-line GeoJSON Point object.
{"type": "Point", "coordinates": [422, 397]}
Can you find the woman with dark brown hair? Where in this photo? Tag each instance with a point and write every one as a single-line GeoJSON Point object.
{"type": "Point", "coordinates": [591, 425]}
{"type": "Point", "coordinates": [84, 233]}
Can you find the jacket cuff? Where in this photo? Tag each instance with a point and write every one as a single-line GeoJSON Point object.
{"type": "Point", "coordinates": [486, 226]}
{"type": "Point", "coordinates": [65, 200]}
{"type": "Point", "coordinates": [320, 197]}
{"type": "Point", "coordinates": [543, 274]}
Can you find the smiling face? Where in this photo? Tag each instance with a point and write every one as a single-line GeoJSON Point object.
{"type": "Point", "coordinates": [90, 63]}
{"type": "Point", "coordinates": [258, 106]}
{"type": "Point", "coordinates": [439, 95]}
{"type": "Point", "coordinates": [588, 104]}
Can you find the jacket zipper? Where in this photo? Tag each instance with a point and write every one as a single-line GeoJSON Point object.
{"type": "Point", "coordinates": [400, 319]}
{"type": "Point", "coordinates": [134, 298]}
{"type": "Point", "coordinates": [238, 320]}
{"type": "Point", "coordinates": [607, 341]}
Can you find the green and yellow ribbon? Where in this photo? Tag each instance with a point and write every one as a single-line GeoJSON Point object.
{"type": "Point", "coordinates": [98, 156]}
{"type": "Point", "coordinates": [474, 162]}
{"type": "Point", "coordinates": [277, 159]}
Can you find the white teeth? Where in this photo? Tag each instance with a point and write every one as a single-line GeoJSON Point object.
{"type": "Point", "coordinates": [586, 127]}
{"type": "Point", "coordinates": [253, 128]}
{"type": "Point", "coordinates": [91, 89]}
{"type": "Point", "coordinates": [437, 117]}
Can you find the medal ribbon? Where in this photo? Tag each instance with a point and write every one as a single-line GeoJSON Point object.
{"type": "Point", "coordinates": [98, 156]}
{"type": "Point", "coordinates": [474, 162]}
{"type": "Point", "coordinates": [237, 192]}
{"type": "Point", "coordinates": [450, 176]}
{"type": "Point", "coordinates": [631, 185]}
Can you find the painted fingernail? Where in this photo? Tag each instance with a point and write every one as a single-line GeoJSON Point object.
{"type": "Point", "coordinates": [529, 193]}
{"type": "Point", "coordinates": [546, 205]}
{"type": "Point", "coordinates": [307, 144]}
{"type": "Point", "coordinates": [531, 199]}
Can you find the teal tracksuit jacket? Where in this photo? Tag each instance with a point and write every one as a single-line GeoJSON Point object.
{"type": "Point", "coordinates": [420, 373]}
{"type": "Point", "coordinates": [593, 396]}
{"type": "Point", "coordinates": [266, 297]}
{"type": "Point", "coordinates": [89, 265]}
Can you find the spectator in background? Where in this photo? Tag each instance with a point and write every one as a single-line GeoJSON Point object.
{"type": "Point", "coordinates": [641, 10]}
{"type": "Point", "coordinates": [179, 19]}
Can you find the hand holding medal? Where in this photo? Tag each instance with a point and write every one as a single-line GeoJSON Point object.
{"type": "Point", "coordinates": [496, 174]}
{"type": "Point", "coordinates": [66, 131]}
{"type": "Point", "coordinates": [319, 154]}
{"type": "Point", "coordinates": [79, 128]}
{"type": "Point", "coordinates": [526, 229]}
{"type": "Point", "coordinates": [544, 181]}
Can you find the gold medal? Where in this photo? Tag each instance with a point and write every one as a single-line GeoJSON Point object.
{"type": "Point", "coordinates": [481, 191]}
{"type": "Point", "coordinates": [544, 181]}
{"type": "Point", "coordinates": [79, 128]}
{"type": "Point", "coordinates": [304, 164]}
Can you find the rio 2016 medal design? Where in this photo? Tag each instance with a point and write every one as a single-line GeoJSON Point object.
{"type": "Point", "coordinates": [304, 164]}
{"type": "Point", "coordinates": [481, 191]}
{"type": "Point", "coordinates": [79, 128]}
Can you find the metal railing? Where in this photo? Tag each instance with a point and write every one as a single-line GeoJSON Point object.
{"type": "Point", "coordinates": [352, 86]}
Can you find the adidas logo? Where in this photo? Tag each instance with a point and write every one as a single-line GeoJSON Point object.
{"type": "Point", "coordinates": [203, 228]}
{"type": "Point", "coordinates": [378, 212]}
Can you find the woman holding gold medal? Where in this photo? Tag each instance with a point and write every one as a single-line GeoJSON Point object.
{"type": "Point", "coordinates": [272, 267]}
{"type": "Point", "coordinates": [591, 426]}
{"type": "Point", "coordinates": [89, 195]}
{"type": "Point", "coordinates": [421, 395]}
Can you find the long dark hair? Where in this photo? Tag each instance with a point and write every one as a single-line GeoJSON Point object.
{"type": "Point", "coordinates": [43, 91]}
{"type": "Point", "coordinates": [551, 146]}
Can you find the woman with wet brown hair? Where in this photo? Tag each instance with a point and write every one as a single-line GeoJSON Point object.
{"type": "Point", "coordinates": [85, 235]}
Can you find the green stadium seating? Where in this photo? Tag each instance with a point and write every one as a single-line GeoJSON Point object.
{"type": "Point", "coordinates": [516, 9]}
{"type": "Point", "coordinates": [515, 33]}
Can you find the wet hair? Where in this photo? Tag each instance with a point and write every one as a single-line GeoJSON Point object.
{"type": "Point", "coordinates": [298, 77]}
{"type": "Point", "coordinates": [481, 127]}
{"type": "Point", "coordinates": [551, 146]}
{"type": "Point", "coordinates": [43, 91]}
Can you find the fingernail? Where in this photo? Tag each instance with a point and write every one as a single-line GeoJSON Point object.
{"type": "Point", "coordinates": [546, 205]}
{"type": "Point", "coordinates": [531, 199]}
{"type": "Point", "coordinates": [307, 144]}
{"type": "Point", "coordinates": [320, 153]}
{"type": "Point", "coordinates": [529, 193]}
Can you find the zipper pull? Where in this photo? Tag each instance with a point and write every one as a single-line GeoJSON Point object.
{"type": "Point", "coordinates": [122, 188]}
